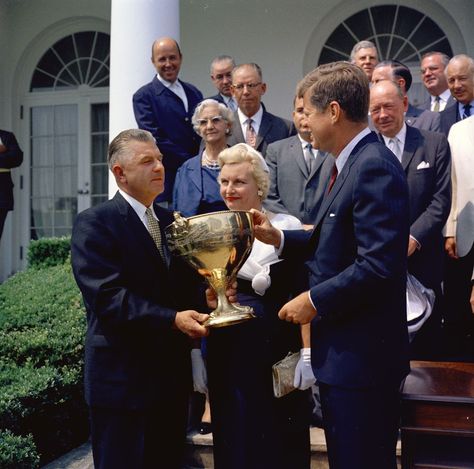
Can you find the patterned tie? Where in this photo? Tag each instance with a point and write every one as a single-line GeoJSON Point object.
{"type": "Point", "coordinates": [467, 111]}
{"type": "Point", "coordinates": [394, 145]}
{"type": "Point", "coordinates": [333, 177]}
{"type": "Point", "coordinates": [231, 105]}
{"type": "Point", "coordinates": [436, 104]}
{"type": "Point", "coordinates": [155, 232]}
{"type": "Point", "coordinates": [250, 136]}
{"type": "Point", "coordinates": [309, 157]}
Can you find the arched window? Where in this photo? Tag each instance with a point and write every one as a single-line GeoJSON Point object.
{"type": "Point", "coordinates": [79, 59]}
{"type": "Point", "coordinates": [400, 33]}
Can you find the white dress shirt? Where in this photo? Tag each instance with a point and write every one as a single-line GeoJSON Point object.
{"type": "Point", "coordinates": [176, 88]}
{"type": "Point", "coordinates": [256, 120]}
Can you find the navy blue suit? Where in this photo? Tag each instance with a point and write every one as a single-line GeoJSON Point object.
{"type": "Point", "coordinates": [218, 97]}
{"type": "Point", "coordinates": [161, 112]}
{"type": "Point", "coordinates": [272, 128]}
{"type": "Point", "coordinates": [11, 158]}
{"type": "Point", "coordinates": [357, 276]}
{"type": "Point", "coordinates": [137, 365]}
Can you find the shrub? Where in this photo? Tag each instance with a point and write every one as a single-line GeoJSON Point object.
{"type": "Point", "coordinates": [42, 328]}
{"type": "Point", "coordinates": [47, 252]}
{"type": "Point", "coordinates": [17, 452]}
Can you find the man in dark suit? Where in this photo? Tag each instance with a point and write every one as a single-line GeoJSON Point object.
{"type": "Point", "coordinates": [299, 173]}
{"type": "Point", "coordinates": [460, 76]}
{"type": "Point", "coordinates": [11, 156]}
{"type": "Point", "coordinates": [221, 76]}
{"type": "Point", "coordinates": [253, 124]}
{"type": "Point", "coordinates": [426, 160]}
{"type": "Point", "coordinates": [433, 65]}
{"type": "Point", "coordinates": [137, 355]}
{"type": "Point", "coordinates": [357, 274]}
{"type": "Point", "coordinates": [164, 107]}
{"type": "Point", "coordinates": [399, 73]}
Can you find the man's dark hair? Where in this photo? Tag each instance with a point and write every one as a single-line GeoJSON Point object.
{"type": "Point", "coordinates": [118, 147]}
{"type": "Point", "coordinates": [399, 70]}
{"type": "Point", "coordinates": [342, 82]}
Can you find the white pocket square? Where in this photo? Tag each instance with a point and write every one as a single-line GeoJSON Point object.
{"type": "Point", "coordinates": [332, 215]}
{"type": "Point", "coordinates": [423, 165]}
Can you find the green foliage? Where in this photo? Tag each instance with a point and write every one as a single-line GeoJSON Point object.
{"type": "Point", "coordinates": [47, 252]}
{"type": "Point", "coordinates": [17, 452]}
{"type": "Point", "coordinates": [42, 328]}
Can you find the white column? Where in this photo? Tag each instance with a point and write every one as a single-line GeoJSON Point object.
{"type": "Point", "coordinates": [135, 24]}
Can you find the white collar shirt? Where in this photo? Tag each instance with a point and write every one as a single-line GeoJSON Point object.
{"type": "Point", "coordinates": [256, 120]}
{"type": "Point", "coordinates": [176, 88]}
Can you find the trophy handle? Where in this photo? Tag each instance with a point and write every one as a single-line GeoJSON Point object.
{"type": "Point", "coordinates": [226, 313]}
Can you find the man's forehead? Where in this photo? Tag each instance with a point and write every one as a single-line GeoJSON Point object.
{"type": "Point", "coordinates": [245, 73]}
{"type": "Point", "coordinates": [366, 51]}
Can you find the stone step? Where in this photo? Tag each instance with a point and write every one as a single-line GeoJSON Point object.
{"type": "Point", "coordinates": [198, 454]}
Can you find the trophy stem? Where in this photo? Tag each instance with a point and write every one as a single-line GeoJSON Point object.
{"type": "Point", "coordinates": [226, 313]}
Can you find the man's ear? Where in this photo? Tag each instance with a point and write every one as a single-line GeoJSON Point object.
{"type": "Point", "coordinates": [264, 88]}
{"type": "Point", "coordinates": [118, 173]}
{"type": "Point", "coordinates": [334, 111]}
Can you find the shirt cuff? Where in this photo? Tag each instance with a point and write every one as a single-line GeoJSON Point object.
{"type": "Point", "coordinates": [311, 300]}
{"type": "Point", "coordinates": [418, 245]}
{"type": "Point", "coordinates": [279, 250]}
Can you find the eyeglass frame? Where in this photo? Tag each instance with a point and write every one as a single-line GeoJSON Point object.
{"type": "Point", "coordinates": [214, 120]}
{"type": "Point", "coordinates": [250, 86]}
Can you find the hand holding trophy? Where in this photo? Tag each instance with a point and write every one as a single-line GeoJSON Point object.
{"type": "Point", "coordinates": [216, 245]}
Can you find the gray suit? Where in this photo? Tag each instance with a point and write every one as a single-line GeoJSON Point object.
{"type": "Point", "coordinates": [292, 189]}
{"type": "Point", "coordinates": [422, 119]}
{"type": "Point", "coordinates": [272, 128]}
{"type": "Point", "coordinates": [426, 105]}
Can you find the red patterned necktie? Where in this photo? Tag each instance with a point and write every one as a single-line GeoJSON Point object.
{"type": "Point", "coordinates": [250, 136]}
{"type": "Point", "coordinates": [333, 177]}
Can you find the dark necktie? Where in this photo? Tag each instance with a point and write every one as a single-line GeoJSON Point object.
{"type": "Point", "coordinates": [309, 157]}
{"type": "Point", "coordinates": [333, 177]}
{"type": "Point", "coordinates": [467, 111]}
{"type": "Point", "coordinates": [155, 232]}
{"type": "Point", "coordinates": [250, 136]}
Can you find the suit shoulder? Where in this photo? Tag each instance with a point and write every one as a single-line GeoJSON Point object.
{"type": "Point", "coordinates": [145, 89]}
{"type": "Point", "coordinates": [279, 144]}
{"type": "Point", "coordinates": [191, 88]}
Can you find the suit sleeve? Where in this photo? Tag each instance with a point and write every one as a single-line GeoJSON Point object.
{"type": "Point", "coordinates": [97, 260]}
{"type": "Point", "coordinates": [13, 156]}
{"type": "Point", "coordinates": [273, 201]}
{"type": "Point", "coordinates": [433, 219]}
{"type": "Point", "coordinates": [147, 119]}
{"type": "Point", "coordinates": [379, 222]}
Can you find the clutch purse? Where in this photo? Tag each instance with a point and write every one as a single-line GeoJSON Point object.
{"type": "Point", "coordinates": [283, 373]}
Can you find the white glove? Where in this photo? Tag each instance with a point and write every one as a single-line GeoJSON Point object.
{"type": "Point", "coordinates": [199, 371]}
{"type": "Point", "coordinates": [304, 376]}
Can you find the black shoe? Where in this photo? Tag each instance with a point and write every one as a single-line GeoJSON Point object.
{"type": "Point", "coordinates": [205, 428]}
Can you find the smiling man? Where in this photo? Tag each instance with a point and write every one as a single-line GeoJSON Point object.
{"type": "Point", "coordinates": [433, 65]}
{"type": "Point", "coordinates": [164, 107]}
{"type": "Point", "coordinates": [137, 351]}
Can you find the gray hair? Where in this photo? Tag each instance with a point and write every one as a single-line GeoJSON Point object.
{"type": "Point", "coordinates": [242, 153]}
{"type": "Point", "coordinates": [461, 58]}
{"type": "Point", "coordinates": [362, 45]}
{"type": "Point", "coordinates": [444, 57]}
{"type": "Point", "coordinates": [224, 111]}
{"type": "Point", "coordinates": [219, 59]}
{"type": "Point", "coordinates": [119, 146]}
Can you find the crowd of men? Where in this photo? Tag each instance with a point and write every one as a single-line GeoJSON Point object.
{"type": "Point", "coordinates": [383, 187]}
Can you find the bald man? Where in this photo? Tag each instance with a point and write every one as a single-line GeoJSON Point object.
{"type": "Point", "coordinates": [164, 107]}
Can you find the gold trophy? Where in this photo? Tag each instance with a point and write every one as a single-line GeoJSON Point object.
{"type": "Point", "coordinates": [216, 245]}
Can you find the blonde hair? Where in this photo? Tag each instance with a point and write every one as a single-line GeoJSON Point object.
{"type": "Point", "coordinates": [243, 153]}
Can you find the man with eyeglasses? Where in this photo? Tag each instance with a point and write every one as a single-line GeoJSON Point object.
{"type": "Point", "coordinates": [253, 124]}
{"type": "Point", "coordinates": [221, 76]}
{"type": "Point", "coordinates": [164, 107]}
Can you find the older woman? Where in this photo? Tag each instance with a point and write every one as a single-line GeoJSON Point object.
{"type": "Point", "coordinates": [251, 428]}
{"type": "Point", "coordinates": [196, 189]}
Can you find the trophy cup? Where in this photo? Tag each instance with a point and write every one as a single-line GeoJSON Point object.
{"type": "Point", "coordinates": [216, 245]}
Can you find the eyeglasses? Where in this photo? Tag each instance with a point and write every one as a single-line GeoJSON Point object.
{"type": "Point", "coordinates": [250, 86]}
{"type": "Point", "coordinates": [214, 121]}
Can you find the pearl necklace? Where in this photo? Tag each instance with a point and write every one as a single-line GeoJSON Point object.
{"type": "Point", "coordinates": [208, 163]}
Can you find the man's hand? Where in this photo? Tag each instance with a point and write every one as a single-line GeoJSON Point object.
{"type": "Point", "coordinates": [412, 246]}
{"type": "Point", "coordinates": [264, 230]}
{"type": "Point", "coordinates": [450, 247]}
{"type": "Point", "coordinates": [231, 294]}
{"type": "Point", "coordinates": [472, 299]}
{"type": "Point", "coordinates": [3, 148]}
{"type": "Point", "coordinates": [299, 310]}
{"type": "Point", "coordinates": [190, 322]}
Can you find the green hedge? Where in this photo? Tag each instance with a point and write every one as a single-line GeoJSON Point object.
{"type": "Point", "coordinates": [17, 452]}
{"type": "Point", "coordinates": [42, 327]}
{"type": "Point", "coordinates": [47, 252]}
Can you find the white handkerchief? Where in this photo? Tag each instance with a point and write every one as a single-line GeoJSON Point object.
{"type": "Point", "coordinates": [423, 165]}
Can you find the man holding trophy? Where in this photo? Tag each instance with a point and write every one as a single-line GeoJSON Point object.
{"type": "Point", "coordinates": [137, 350]}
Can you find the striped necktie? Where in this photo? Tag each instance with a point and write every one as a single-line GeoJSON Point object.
{"type": "Point", "coordinates": [250, 135]}
{"type": "Point", "coordinates": [467, 111]}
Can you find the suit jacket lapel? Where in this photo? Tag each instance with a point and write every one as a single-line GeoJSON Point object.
{"type": "Point", "coordinates": [297, 151]}
{"type": "Point", "coordinates": [411, 144]}
{"type": "Point", "coordinates": [265, 126]}
{"type": "Point", "coordinates": [318, 163]}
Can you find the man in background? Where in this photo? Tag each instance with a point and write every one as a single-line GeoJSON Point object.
{"type": "Point", "coordinates": [434, 79]}
{"type": "Point", "coordinates": [253, 124]}
{"type": "Point", "coordinates": [364, 54]}
{"type": "Point", "coordinates": [164, 107]}
{"type": "Point", "coordinates": [11, 156]}
{"type": "Point", "coordinates": [221, 76]}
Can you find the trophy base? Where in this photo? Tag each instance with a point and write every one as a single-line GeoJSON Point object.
{"type": "Point", "coordinates": [235, 316]}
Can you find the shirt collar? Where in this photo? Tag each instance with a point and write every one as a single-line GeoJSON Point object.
{"type": "Point", "coordinates": [137, 206]}
{"type": "Point", "coordinates": [167, 83]}
{"type": "Point", "coordinates": [401, 136]}
{"type": "Point", "coordinates": [257, 117]}
{"type": "Point", "coordinates": [444, 96]}
{"type": "Point", "coordinates": [303, 142]}
{"type": "Point", "coordinates": [346, 151]}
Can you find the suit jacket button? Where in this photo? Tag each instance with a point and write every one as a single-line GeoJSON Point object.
{"type": "Point", "coordinates": [186, 119]}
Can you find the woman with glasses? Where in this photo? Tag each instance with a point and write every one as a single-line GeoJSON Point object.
{"type": "Point", "coordinates": [196, 189]}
